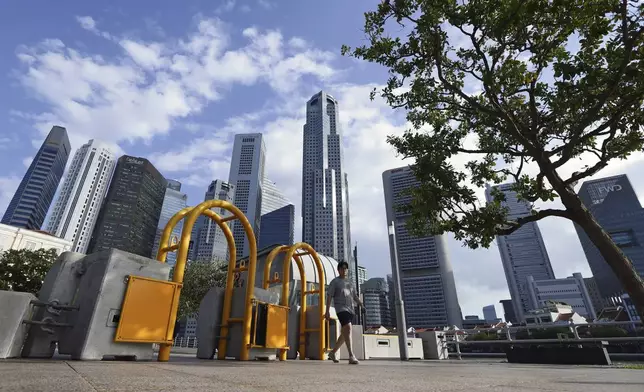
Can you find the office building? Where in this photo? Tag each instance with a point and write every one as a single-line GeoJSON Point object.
{"type": "Point", "coordinates": [508, 311]}
{"type": "Point", "coordinates": [130, 214]}
{"type": "Point", "coordinates": [278, 227]}
{"type": "Point", "coordinates": [523, 252]}
{"type": "Point", "coordinates": [472, 321]}
{"type": "Point", "coordinates": [173, 201]}
{"type": "Point", "coordinates": [325, 191]}
{"type": "Point", "coordinates": [79, 201]}
{"type": "Point", "coordinates": [29, 205]}
{"type": "Point", "coordinates": [599, 302]}
{"type": "Point", "coordinates": [571, 291]}
{"type": "Point", "coordinates": [426, 274]}
{"type": "Point", "coordinates": [375, 292]}
{"type": "Point", "coordinates": [489, 313]}
{"type": "Point", "coordinates": [211, 243]}
{"type": "Point", "coordinates": [272, 197]}
{"type": "Point", "coordinates": [614, 204]}
{"type": "Point", "coordinates": [16, 238]}
{"type": "Point", "coordinates": [247, 176]}
{"type": "Point", "coordinates": [362, 275]}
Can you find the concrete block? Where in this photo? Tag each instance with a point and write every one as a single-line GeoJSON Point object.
{"type": "Point", "coordinates": [14, 308]}
{"type": "Point", "coordinates": [100, 298]}
{"type": "Point", "coordinates": [209, 322]}
{"type": "Point", "coordinates": [59, 286]}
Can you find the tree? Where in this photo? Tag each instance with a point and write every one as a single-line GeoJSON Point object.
{"type": "Point", "coordinates": [24, 270]}
{"type": "Point", "coordinates": [198, 278]}
{"type": "Point", "coordinates": [519, 100]}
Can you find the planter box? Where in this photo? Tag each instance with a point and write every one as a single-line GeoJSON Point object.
{"type": "Point", "coordinates": [556, 354]}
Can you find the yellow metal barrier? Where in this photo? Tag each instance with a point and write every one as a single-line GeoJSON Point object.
{"type": "Point", "coordinates": [191, 214]}
{"type": "Point", "coordinates": [292, 253]}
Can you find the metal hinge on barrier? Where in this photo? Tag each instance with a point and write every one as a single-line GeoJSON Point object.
{"type": "Point", "coordinates": [47, 324]}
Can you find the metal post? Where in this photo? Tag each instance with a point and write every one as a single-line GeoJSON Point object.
{"type": "Point", "coordinates": [360, 320]}
{"type": "Point", "coordinates": [400, 308]}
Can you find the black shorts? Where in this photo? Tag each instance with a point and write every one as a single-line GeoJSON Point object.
{"type": "Point", "coordinates": [345, 318]}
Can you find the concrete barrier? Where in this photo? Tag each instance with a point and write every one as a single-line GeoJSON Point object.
{"type": "Point", "coordinates": [14, 308]}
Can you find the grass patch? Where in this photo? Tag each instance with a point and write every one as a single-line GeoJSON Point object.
{"type": "Point", "coordinates": [636, 366]}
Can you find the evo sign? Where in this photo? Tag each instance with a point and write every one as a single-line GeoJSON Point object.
{"type": "Point", "coordinates": [134, 161]}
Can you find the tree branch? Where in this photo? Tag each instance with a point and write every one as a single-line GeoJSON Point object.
{"type": "Point", "coordinates": [515, 225]}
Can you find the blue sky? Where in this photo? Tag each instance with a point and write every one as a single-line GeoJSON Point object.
{"type": "Point", "coordinates": [174, 82]}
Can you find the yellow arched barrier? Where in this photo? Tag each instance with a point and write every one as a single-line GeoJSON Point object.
{"type": "Point", "coordinates": [292, 253]}
{"type": "Point", "coordinates": [191, 214]}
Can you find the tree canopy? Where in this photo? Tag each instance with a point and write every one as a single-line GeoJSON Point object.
{"type": "Point", "coordinates": [24, 270]}
{"type": "Point", "coordinates": [524, 87]}
{"type": "Point", "coordinates": [198, 278]}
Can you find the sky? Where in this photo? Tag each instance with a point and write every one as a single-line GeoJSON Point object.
{"type": "Point", "coordinates": [174, 81]}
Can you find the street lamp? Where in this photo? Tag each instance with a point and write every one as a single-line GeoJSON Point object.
{"type": "Point", "coordinates": [400, 308]}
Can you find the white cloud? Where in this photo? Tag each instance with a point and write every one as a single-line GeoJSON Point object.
{"type": "Point", "coordinates": [8, 186]}
{"type": "Point", "coordinates": [87, 22]}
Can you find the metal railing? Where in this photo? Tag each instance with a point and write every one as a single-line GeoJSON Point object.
{"type": "Point", "coordinates": [182, 342]}
{"type": "Point", "coordinates": [457, 337]}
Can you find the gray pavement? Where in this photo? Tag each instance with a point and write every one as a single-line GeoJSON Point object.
{"type": "Point", "coordinates": [185, 373]}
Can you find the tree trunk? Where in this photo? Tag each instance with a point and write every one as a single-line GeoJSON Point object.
{"type": "Point", "coordinates": [613, 255]}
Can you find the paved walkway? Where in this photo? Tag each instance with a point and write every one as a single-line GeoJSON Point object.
{"type": "Point", "coordinates": [189, 374]}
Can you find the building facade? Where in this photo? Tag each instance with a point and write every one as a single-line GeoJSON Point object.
{"type": "Point", "coordinates": [599, 302]}
{"type": "Point", "coordinates": [16, 238]}
{"type": "Point", "coordinates": [247, 175]}
{"type": "Point", "coordinates": [29, 205]}
{"type": "Point", "coordinates": [614, 204]}
{"type": "Point", "coordinates": [571, 291]}
{"type": "Point", "coordinates": [211, 243]}
{"type": "Point", "coordinates": [523, 252]}
{"type": "Point", "coordinates": [272, 197]}
{"type": "Point", "coordinates": [79, 201]}
{"type": "Point", "coordinates": [325, 190]}
{"type": "Point", "coordinates": [130, 214]}
{"type": "Point", "coordinates": [489, 313]}
{"type": "Point", "coordinates": [426, 273]}
{"type": "Point", "coordinates": [173, 201]}
{"type": "Point", "coordinates": [362, 275]}
{"type": "Point", "coordinates": [375, 294]}
{"type": "Point", "coordinates": [508, 311]}
{"type": "Point", "coordinates": [278, 227]}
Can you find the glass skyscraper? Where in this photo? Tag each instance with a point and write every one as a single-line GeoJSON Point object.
{"type": "Point", "coordinates": [29, 205]}
{"type": "Point", "coordinates": [272, 198]}
{"type": "Point", "coordinates": [614, 204]}
{"type": "Point", "coordinates": [173, 202]}
{"type": "Point", "coordinates": [210, 242]}
{"type": "Point", "coordinates": [426, 273]}
{"type": "Point", "coordinates": [523, 252]}
{"type": "Point", "coordinates": [278, 227]}
{"type": "Point", "coordinates": [325, 189]}
{"type": "Point", "coordinates": [130, 214]}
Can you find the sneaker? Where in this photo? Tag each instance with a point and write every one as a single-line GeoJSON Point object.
{"type": "Point", "coordinates": [353, 361]}
{"type": "Point", "coordinates": [332, 357]}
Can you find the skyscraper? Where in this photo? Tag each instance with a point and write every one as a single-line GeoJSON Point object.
{"type": "Point", "coordinates": [426, 274]}
{"type": "Point", "coordinates": [272, 198]}
{"type": "Point", "coordinates": [211, 244]}
{"type": "Point", "coordinates": [130, 214]}
{"type": "Point", "coordinates": [79, 201]}
{"type": "Point", "coordinates": [508, 311]}
{"type": "Point", "coordinates": [375, 292]}
{"type": "Point", "coordinates": [247, 175]}
{"type": "Point", "coordinates": [173, 201]}
{"type": "Point", "coordinates": [489, 313]}
{"type": "Point", "coordinates": [29, 205]}
{"type": "Point", "coordinates": [523, 252]}
{"type": "Point", "coordinates": [614, 204]}
{"type": "Point", "coordinates": [325, 189]}
{"type": "Point", "coordinates": [278, 227]}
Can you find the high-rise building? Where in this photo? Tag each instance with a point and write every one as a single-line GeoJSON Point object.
{"type": "Point", "coordinates": [278, 227]}
{"type": "Point", "coordinates": [599, 302]}
{"type": "Point", "coordinates": [375, 292]}
{"type": "Point", "coordinates": [79, 201]}
{"type": "Point", "coordinates": [426, 274]}
{"type": "Point", "coordinates": [508, 311]}
{"type": "Point", "coordinates": [325, 190]}
{"type": "Point", "coordinates": [29, 205]}
{"type": "Point", "coordinates": [489, 313]}
{"type": "Point", "coordinates": [523, 252]}
{"type": "Point", "coordinates": [614, 204]}
{"type": "Point", "coordinates": [247, 175]}
{"type": "Point", "coordinates": [362, 275]}
{"type": "Point", "coordinates": [211, 243]}
{"type": "Point", "coordinates": [272, 198]}
{"type": "Point", "coordinates": [571, 291]}
{"type": "Point", "coordinates": [173, 201]}
{"type": "Point", "coordinates": [130, 214]}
